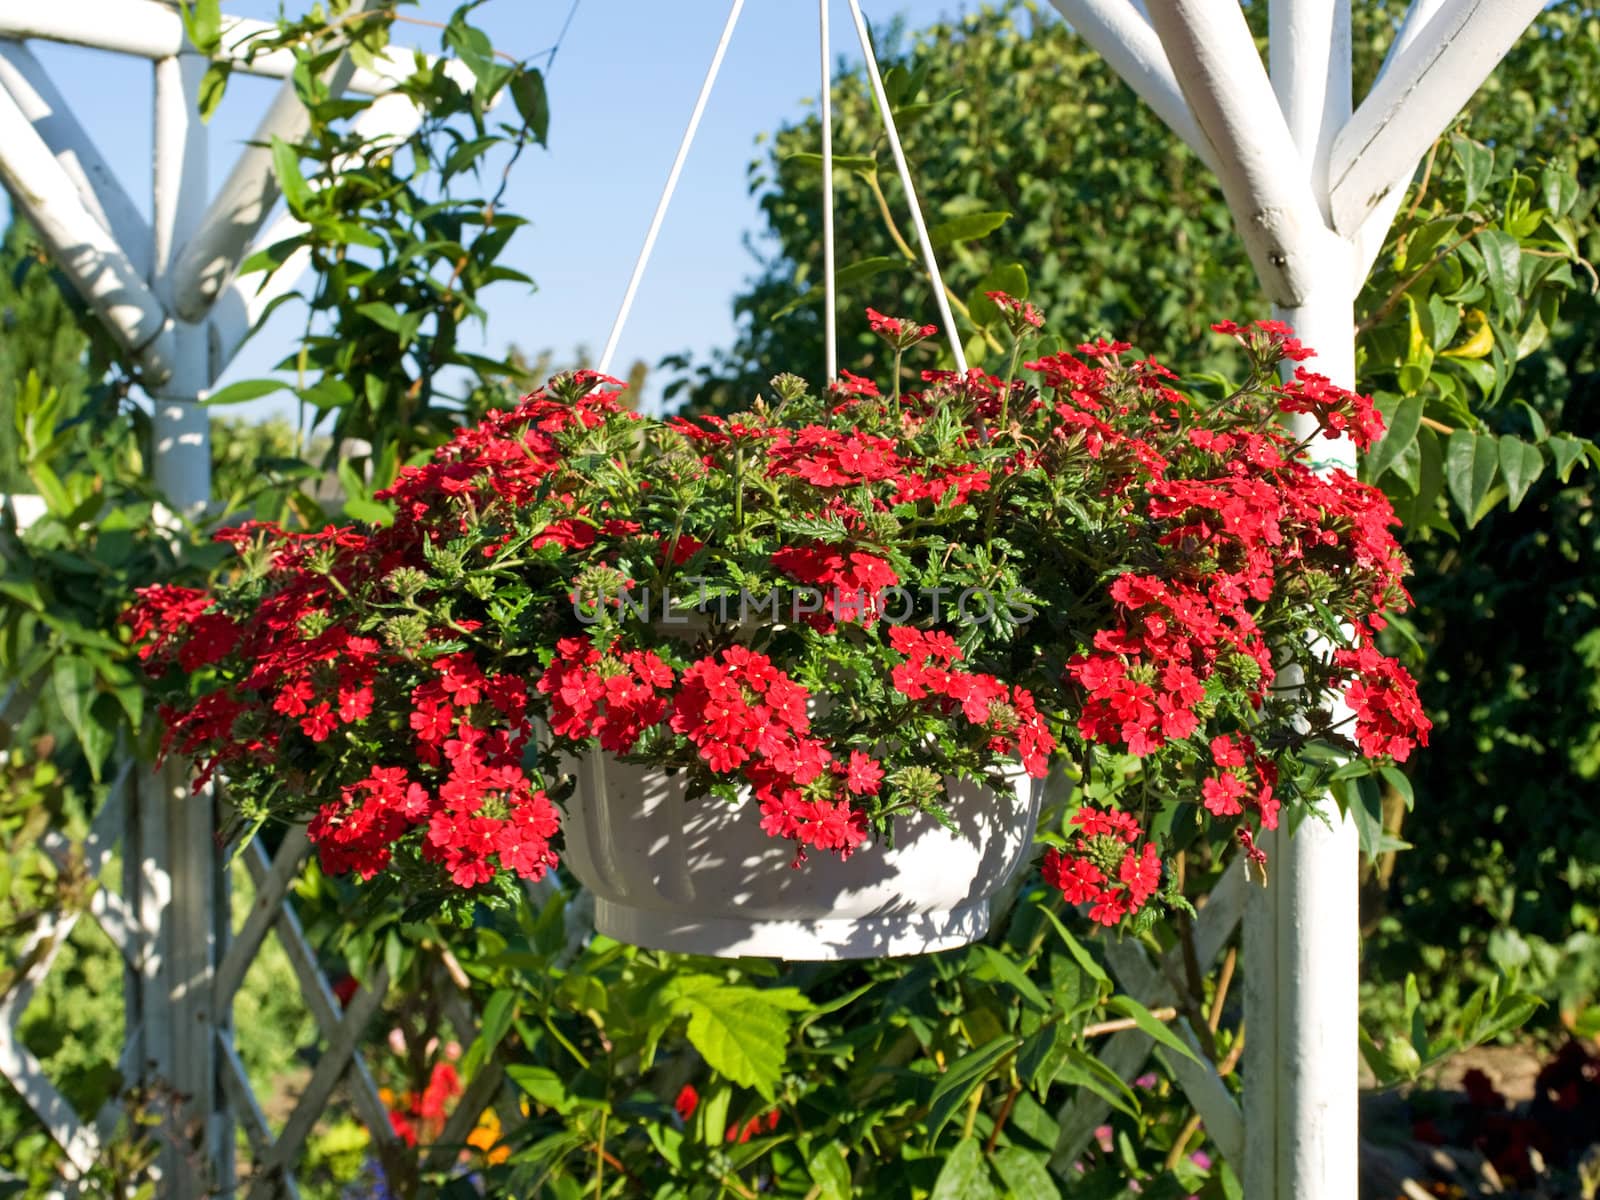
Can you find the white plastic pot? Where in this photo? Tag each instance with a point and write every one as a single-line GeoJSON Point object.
{"type": "Point", "coordinates": [699, 876]}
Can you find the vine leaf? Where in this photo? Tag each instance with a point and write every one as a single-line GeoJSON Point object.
{"type": "Point", "coordinates": [1470, 465]}
{"type": "Point", "coordinates": [740, 1034]}
{"type": "Point", "coordinates": [956, 1084]}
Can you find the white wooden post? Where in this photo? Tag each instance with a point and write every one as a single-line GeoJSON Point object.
{"type": "Point", "coordinates": [194, 923]}
{"type": "Point", "coordinates": [1310, 1014]}
{"type": "Point", "coordinates": [1312, 187]}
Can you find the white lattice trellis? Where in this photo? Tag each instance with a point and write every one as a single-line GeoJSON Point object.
{"type": "Point", "coordinates": [167, 290]}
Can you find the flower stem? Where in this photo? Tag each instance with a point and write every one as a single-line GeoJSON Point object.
{"type": "Point", "coordinates": [1011, 373]}
{"type": "Point", "coordinates": [738, 487]}
{"type": "Point", "coordinates": [905, 248]}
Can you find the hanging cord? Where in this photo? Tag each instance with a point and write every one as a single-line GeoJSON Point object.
{"type": "Point", "coordinates": [666, 194]}
{"type": "Point", "coordinates": [911, 193]}
{"type": "Point", "coordinates": [929, 262]}
{"type": "Point", "coordinates": [830, 310]}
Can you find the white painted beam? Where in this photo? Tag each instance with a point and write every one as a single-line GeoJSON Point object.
{"type": "Point", "coordinates": [1120, 32]}
{"type": "Point", "coordinates": [245, 199]}
{"type": "Point", "coordinates": [246, 298]}
{"type": "Point", "coordinates": [1302, 1057]}
{"type": "Point", "coordinates": [1309, 68]}
{"type": "Point", "coordinates": [1374, 229]}
{"type": "Point", "coordinates": [180, 1005]}
{"type": "Point", "coordinates": [1424, 88]}
{"type": "Point", "coordinates": [98, 187]}
{"type": "Point", "coordinates": [150, 29]}
{"type": "Point", "coordinates": [143, 27]}
{"type": "Point", "coordinates": [1274, 208]}
{"type": "Point", "coordinates": [237, 211]}
{"type": "Point", "coordinates": [86, 253]}
{"type": "Point", "coordinates": [1418, 14]}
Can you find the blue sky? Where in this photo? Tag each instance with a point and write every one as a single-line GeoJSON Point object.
{"type": "Point", "coordinates": [620, 93]}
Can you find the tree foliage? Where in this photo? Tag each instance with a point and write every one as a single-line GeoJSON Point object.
{"type": "Point", "coordinates": [40, 333]}
{"type": "Point", "coordinates": [403, 238]}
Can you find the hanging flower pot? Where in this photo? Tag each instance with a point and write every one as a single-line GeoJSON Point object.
{"type": "Point", "coordinates": [794, 675]}
{"type": "Point", "coordinates": [706, 879]}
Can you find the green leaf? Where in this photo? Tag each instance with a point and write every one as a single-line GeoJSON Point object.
{"type": "Point", "coordinates": [1566, 451]}
{"type": "Point", "coordinates": [967, 227]}
{"type": "Point", "coordinates": [246, 390]}
{"type": "Point", "coordinates": [1477, 164]}
{"type": "Point", "coordinates": [865, 269]}
{"type": "Point", "coordinates": [1511, 1013]}
{"type": "Point", "coordinates": [381, 314]}
{"type": "Point", "coordinates": [1400, 436]}
{"type": "Point", "coordinates": [492, 1029]}
{"type": "Point", "coordinates": [48, 484]}
{"type": "Point", "coordinates": [1502, 259]}
{"type": "Point", "coordinates": [965, 1176]}
{"type": "Point", "coordinates": [1396, 778]}
{"type": "Point", "coordinates": [1560, 189]}
{"type": "Point", "coordinates": [1146, 1021]}
{"type": "Point", "coordinates": [830, 1172]}
{"type": "Point", "coordinates": [472, 46]}
{"type": "Point", "coordinates": [955, 1086]}
{"type": "Point", "coordinates": [202, 21]}
{"type": "Point", "coordinates": [742, 1039]}
{"type": "Point", "coordinates": [286, 165]}
{"type": "Point", "coordinates": [374, 513]}
{"type": "Point", "coordinates": [543, 1086]}
{"type": "Point", "coordinates": [1470, 465]}
{"type": "Point", "coordinates": [991, 964]}
{"type": "Point", "coordinates": [1024, 1174]}
{"type": "Point", "coordinates": [533, 104]}
{"type": "Point", "coordinates": [841, 162]}
{"type": "Point", "coordinates": [74, 682]}
{"type": "Point", "coordinates": [1085, 1070]}
{"type": "Point", "coordinates": [856, 272]}
{"type": "Point", "coordinates": [1365, 806]}
{"type": "Point", "coordinates": [1042, 1055]}
{"type": "Point", "coordinates": [1520, 464]}
{"type": "Point", "coordinates": [213, 84]}
{"type": "Point", "coordinates": [1010, 278]}
{"type": "Point", "coordinates": [1541, 432]}
{"type": "Point", "coordinates": [1074, 947]}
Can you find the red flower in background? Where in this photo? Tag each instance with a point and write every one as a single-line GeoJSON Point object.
{"type": "Point", "coordinates": [687, 1101]}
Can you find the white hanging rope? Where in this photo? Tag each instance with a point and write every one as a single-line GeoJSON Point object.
{"type": "Point", "coordinates": [830, 308]}
{"type": "Point", "coordinates": [666, 194]}
{"type": "Point", "coordinates": [829, 319]}
{"type": "Point", "coordinates": [911, 192]}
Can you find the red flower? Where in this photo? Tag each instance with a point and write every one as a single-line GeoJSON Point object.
{"type": "Point", "coordinates": [688, 1100]}
{"type": "Point", "coordinates": [1019, 314]}
{"type": "Point", "coordinates": [863, 775]}
{"type": "Point", "coordinates": [1079, 880]}
{"type": "Point", "coordinates": [433, 722]}
{"type": "Point", "coordinates": [1102, 868]}
{"type": "Point", "coordinates": [897, 331]}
